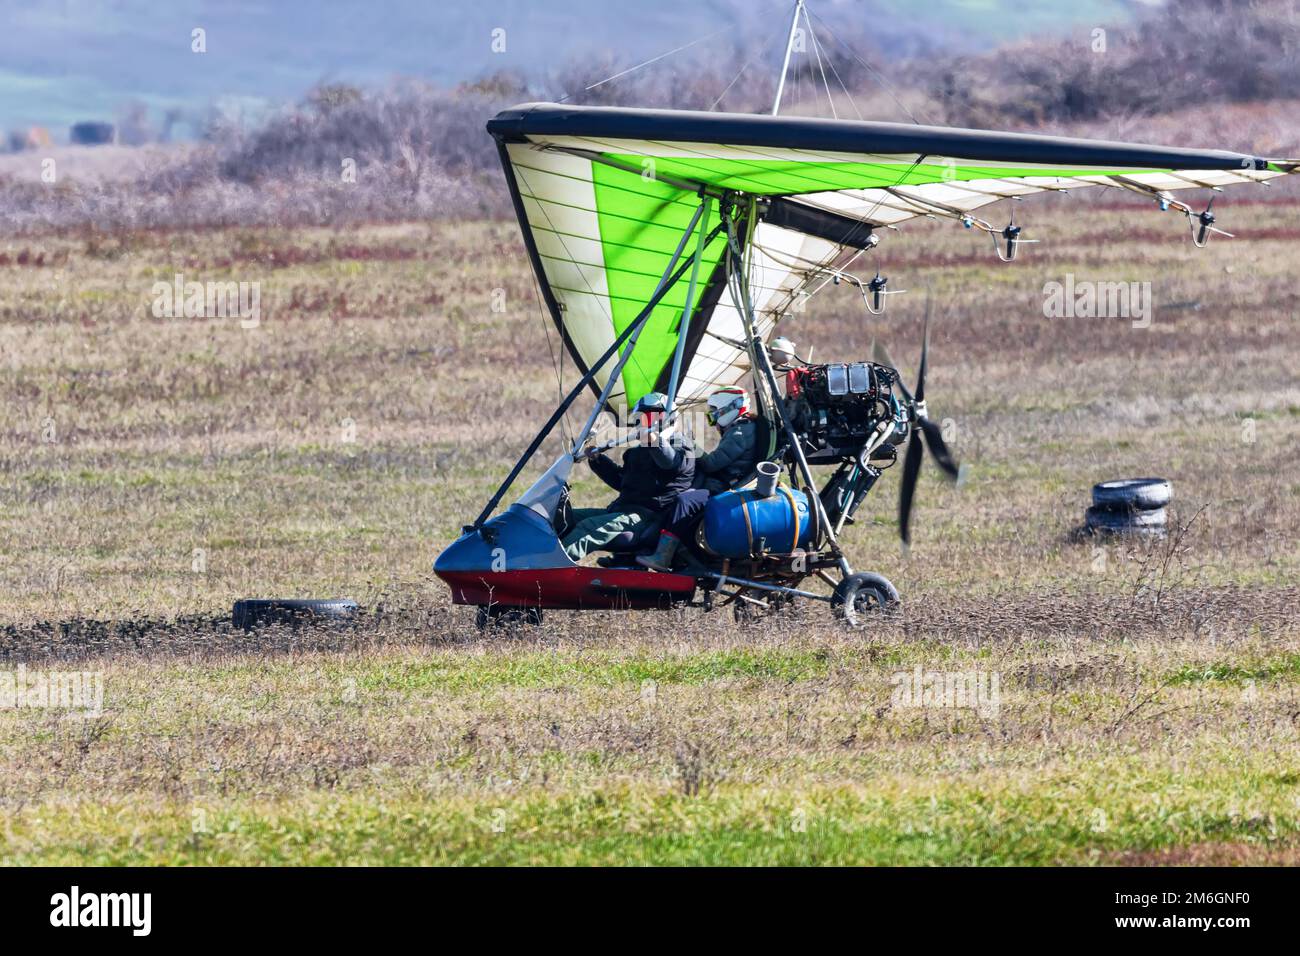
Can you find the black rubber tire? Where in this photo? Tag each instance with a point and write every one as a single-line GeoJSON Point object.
{"type": "Point", "coordinates": [1142, 494]}
{"type": "Point", "coordinates": [1106, 521]}
{"type": "Point", "coordinates": [252, 613]}
{"type": "Point", "coordinates": [500, 615]}
{"type": "Point", "coordinates": [861, 596]}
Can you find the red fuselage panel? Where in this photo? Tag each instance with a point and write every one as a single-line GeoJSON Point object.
{"type": "Point", "coordinates": [572, 588]}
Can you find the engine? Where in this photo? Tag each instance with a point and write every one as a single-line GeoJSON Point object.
{"type": "Point", "coordinates": [835, 408]}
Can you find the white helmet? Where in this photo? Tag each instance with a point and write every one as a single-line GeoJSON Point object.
{"type": "Point", "coordinates": [648, 412]}
{"type": "Point", "coordinates": [727, 405]}
{"type": "Point", "coordinates": [782, 351]}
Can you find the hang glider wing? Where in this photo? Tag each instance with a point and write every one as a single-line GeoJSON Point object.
{"type": "Point", "coordinates": [604, 194]}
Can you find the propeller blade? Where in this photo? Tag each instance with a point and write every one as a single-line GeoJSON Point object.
{"type": "Point", "coordinates": [911, 468]}
{"type": "Point", "coordinates": [939, 449]}
{"type": "Point", "coordinates": [925, 351]}
{"type": "Point", "coordinates": [920, 374]}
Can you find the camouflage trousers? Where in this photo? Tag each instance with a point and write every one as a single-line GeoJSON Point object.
{"type": "Point", "coordinates": [596, 527]}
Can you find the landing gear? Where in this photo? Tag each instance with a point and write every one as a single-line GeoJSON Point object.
{"type": "Point", "coordinates": [753, 606]}
{"type": "Point", "coordinates": [499, 615]}
{"type": "Point", "coordinates": [862, 596]}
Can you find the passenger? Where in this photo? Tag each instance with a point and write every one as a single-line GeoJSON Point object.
{"type": "Point", "coordinates": [732, 462]}
{"type": "Point", "coordinates": [648, 482]}
{"type": "Point", "coordinates": [783, 355]}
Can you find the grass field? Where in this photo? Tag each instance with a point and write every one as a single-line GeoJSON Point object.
{"type": "Point", "coordinates": [155, 470]}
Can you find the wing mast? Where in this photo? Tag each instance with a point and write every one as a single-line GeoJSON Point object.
{"type": "Point", "coordinates": [789, 49]}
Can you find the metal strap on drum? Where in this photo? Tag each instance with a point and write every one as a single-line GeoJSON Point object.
{"type": "Point", "coordinates": [794, 512]}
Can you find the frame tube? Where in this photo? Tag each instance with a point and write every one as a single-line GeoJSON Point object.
{"type": "Point", "coordinates": [685, 324]}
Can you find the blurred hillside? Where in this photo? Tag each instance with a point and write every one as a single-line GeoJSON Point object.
{"type": "Point", "coordinates": [1196, 72]}
{"type": "Point", "coordinates": [64, 61]}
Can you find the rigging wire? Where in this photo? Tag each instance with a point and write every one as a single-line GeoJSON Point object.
{"type": "Point", "coordinates": [817, 52]}
{"type": "Point", "coordinates": [849, 96]}
{"type": "Point", "coordinates": [898, 182]}
{"type": "Point", "coordinates": [749, 62]}
{"type": "Point", "coordinates": [835, 72]}
{"type": "Point", "coordinates": [888, 87]}
{"type": "Point", "coordinates": [550, 347]}
{"type": "Point", "coordinates": [645, 63]}
{"type": "Point", "coordinates": [824, 264]}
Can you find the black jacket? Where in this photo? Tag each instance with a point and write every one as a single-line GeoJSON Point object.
{"type": "Point", "coordinates": [733, 461]}
{"type": "Point", "coordinates": [650, 476]}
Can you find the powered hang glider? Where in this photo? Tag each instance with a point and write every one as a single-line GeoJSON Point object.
{"type": "Point", "coordinates": [669, 245]}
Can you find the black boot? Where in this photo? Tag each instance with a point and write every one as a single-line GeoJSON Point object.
{"type": "Point", "coordinates": [662, 559]}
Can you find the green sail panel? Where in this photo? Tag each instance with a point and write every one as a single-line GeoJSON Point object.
{"type": "Point", "coordinates": [789, 178]}
{"type": "Point", "coordinates": [641, 223]}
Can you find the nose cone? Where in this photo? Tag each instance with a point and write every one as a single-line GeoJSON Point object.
{"type": "Point", "coordinates": [515, 540]}
{"type": "Point", "coordinates": [469, 552]}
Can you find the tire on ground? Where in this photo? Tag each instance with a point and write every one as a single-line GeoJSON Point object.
{"type": "Point", "coordinates": [259, 612]}
{"type": "Point", "coordinates": [1106, 521]}
{"type": "Point", "coordinates": [1142, 494]}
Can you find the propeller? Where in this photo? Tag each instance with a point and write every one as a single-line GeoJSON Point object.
{"type": "Point", "coordinates": [1207, 221]}
{"type": "Point", "coordinates": [873, 292]}
{"type": "Point", "coordinates": [925, 432]}
{"type": "Point", "coordinates": [1011, 236]}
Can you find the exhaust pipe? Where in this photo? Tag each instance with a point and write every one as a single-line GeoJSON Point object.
{"type": "Point", "coordinates": [768, 474]}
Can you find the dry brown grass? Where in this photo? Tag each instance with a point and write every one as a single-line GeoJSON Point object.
{"type": "Point", "coordinates": [1140, 681]}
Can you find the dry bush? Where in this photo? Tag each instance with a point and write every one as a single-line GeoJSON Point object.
{"type": "Point", "coordinates": [418, 152]}
{"type": "Point", "coordinates": [1180, 55]}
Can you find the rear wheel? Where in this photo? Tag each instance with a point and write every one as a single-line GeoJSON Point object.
{"type": "Point", "coordinates": [499, 615]}
{"type": "Point", "coordinates": [863, 596]}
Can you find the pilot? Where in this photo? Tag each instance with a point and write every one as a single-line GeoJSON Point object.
{"type": "Point", "coordinates": [651, 477]}
{"type": "Point", "coordinates": [732, 462]}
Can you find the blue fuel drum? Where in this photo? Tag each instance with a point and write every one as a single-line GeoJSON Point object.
{"type": "Point", "coordinates": [740, 524]}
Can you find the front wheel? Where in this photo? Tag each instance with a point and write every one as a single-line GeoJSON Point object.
{"type": "Point", "coordinates": [862, 596]}
{"type": "Point", "coordinates": [497, 615]}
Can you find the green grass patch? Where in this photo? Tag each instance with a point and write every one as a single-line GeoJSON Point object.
{"type": "Point", "coordinates": [1040, 819]}
{"type": "Point", "coordinates": [597, 670]}
{"type": "Point", "coordinates": [1283, 668]}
